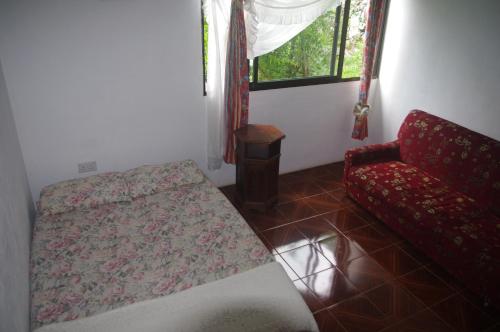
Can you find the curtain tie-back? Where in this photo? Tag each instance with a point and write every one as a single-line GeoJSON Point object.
{"type": "Point", "coordinates": [360, 109]}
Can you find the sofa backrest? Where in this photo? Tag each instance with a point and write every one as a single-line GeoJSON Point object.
{"type": "Point", "coordinates": [462, 158]}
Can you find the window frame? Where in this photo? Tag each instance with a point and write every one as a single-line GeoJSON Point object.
{"type": "Point", "coordinates": [338, 46]}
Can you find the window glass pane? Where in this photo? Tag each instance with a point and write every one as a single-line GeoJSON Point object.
{"type": "Point", "coordinates": [205, 46]}
{"type": "Point", "coordinates": [306, 55]}
{"type": "Point", "coordinates": [250, 71]}
{"type": "Point", "coordinates": [353, 56]}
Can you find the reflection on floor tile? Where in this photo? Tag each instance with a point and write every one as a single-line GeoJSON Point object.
{"type": "Point", "coordinates": [339, 249]}
{"type": "Point", "coordinates": [330, 286]}
{"type": "Point", "coordinates": [316, 228]}
{"type": "Point", "coordinates": [365, 273]}
{"type": "Point", "coordinates": [311, 300]}
{"type": "Point", "coordinates": [306, 260]}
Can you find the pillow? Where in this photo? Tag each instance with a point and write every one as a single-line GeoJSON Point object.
{"type": "Point", "coordinates": [151, 179]}
{"type": "Point", "coordinates": [88, 192]}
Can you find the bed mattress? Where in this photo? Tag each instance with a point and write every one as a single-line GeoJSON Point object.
{"type": "Point", "coordinates": [87, 262]}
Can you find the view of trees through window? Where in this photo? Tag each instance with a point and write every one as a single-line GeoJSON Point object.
{"type": "Point", "coordinates": [309, 54]}
{"type": "Point", "coordinates": [306, 55]}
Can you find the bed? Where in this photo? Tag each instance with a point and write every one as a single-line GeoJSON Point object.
{"type": "Point", "coordinates": [156, 248]}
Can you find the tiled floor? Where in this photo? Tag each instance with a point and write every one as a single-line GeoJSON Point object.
{"type": "Point", "coordinates": [355, 273]}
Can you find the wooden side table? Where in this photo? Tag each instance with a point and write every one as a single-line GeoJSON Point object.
{"type": "Point", "coordinates": [257, 166]}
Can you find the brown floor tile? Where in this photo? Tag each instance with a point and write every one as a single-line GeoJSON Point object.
{"type": "Point", "coordinates": [291, 274]}
{"type": "Point", "coordinates": [296, 210]}
{"type": "Point", "coordinates": [329, 185]}
{"type": "Point", "coordinates": [330, 177]}
{"type": "Point", "coordinates": [262, 221]}
{"type": "Point", "coordinates": [444, 275]}
{"type": "Point", "coordinates": [330, 286]}
{"type": "Point", "coordinates": [387, 231]}
{"type": "Point", "coordinates": [290, 178]}
{"type": "Point", "coordinates": [462, 315]}
{"type": "Point", "coordinates": [363, 213]}
{"type": "Point", "coordinates": [339, 250]}
{"type": "Point", "coordinates": [425, 321]}
{"type": "Point", "coordinates": [365, 273]}
{"type": "Point", "coordinates": [285, 193]}
{"type": "Point", "coordinates": [316, 228]}
{"type": "Point", "coordinates": [396, 261]}
{"type": "Point", "coordinates": [345, 220]}
{"type": "Point", "coordinates": [306, 260]}
{"type": "Point", "coordinates": [304, 189]}
{"type": "Point", "coordinates": [323, 203]}
{"type": "Point", "coordinates": [416, 254]}
{"type": "Point", "coordinates": [394, 302]}
{"type": "Point", "coordinates": [266, 243]}
{"type": "Point", "coordinates": [426, 286]}
{"type": "Point", "coordinates": [359, 314]}
{"type": "Point", "coordinates": [311, 300]}
{"type": "Point", "coordinates": [342, 197]}
{"type": "Point", "coordinates": [337, 168]}
{"type": "Point", "coordinates": [369, 239]}
{"type": "Point", "coordinates": [327, 323]}
{"type": "Point", "coordinates": [316, 172]}
{"type": "Point", "coordinates": [284, 238]}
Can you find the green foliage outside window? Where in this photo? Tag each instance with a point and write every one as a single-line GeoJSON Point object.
{"type": "Point", "coordinates": [306, 55]}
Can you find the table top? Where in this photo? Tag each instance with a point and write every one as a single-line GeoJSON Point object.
{"type": "Point", "coordinates": [259, 134]}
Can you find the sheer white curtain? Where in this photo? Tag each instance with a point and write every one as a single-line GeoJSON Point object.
{"type": "Point", "coordinates": [269, 24]}
{"type": "Point", "coordinates": [217, 13]}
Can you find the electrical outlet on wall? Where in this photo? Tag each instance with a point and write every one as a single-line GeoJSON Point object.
{"type": "Point", "coordinates": [89, 166]}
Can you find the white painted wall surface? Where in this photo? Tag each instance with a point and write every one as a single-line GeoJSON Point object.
{"type": "Point", "coordinates": [15, 227]}
{"type": "Point", "coordinates": [442, 57]}
{"type": "Point", "coordinates": [120, 82]}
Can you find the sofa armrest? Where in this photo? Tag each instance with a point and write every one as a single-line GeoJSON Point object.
{"type": "Point", "coordinates": [371, 154]}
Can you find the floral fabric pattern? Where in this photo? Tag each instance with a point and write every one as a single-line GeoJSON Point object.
{"type": "Point", "coordinates": [465, 160]}
{"type": "Point", "coordinates": [88, 192]}
{"type": "Point", "coordinates": [151, 179]}
{"type": "Point", "coordinates": [453, 227]}
{"type": "Point", "coordinates": [86, 262]}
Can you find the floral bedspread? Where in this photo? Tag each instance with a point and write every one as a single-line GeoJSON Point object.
{"type": "Point", "coordinates": [86, 262]}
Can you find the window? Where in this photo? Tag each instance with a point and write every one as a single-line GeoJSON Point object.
{"type": "Point", "coordinates": [329, 50]}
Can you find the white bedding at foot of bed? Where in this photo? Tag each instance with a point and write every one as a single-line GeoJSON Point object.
{"type": "Point", "coordinates": [261, 299]}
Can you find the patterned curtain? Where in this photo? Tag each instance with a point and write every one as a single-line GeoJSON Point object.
{"type": "Point", "coordinates": [374, 22]}
{"type": "Point", "coordinates": [236, 85]}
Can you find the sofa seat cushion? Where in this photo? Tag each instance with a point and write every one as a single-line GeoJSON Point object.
{"type": "Point", "coordinates": [427, 204]}
{"type": "Point", "coordinates": [411, 190]}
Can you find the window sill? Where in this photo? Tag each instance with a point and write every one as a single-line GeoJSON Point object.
{"type": "Point", "coordinates": [298, 82]}
{"type": "Point", "coordinates": [271, 85]}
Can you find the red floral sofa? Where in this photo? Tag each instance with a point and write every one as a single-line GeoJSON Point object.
{"type": "Point", "coordinates": [438, 186]}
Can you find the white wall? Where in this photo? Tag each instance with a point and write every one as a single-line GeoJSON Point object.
{"type": "Point", "coordinates": [120, 82]}
{"type": "Point", "coordinates": [442, 57]}
{"type": "Point", "coordinates": [15, 226]}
